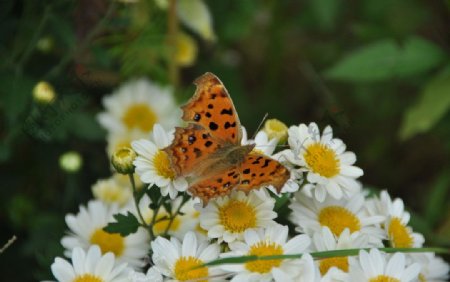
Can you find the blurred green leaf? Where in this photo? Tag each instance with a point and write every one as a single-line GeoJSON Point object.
{"type": "Point", "coordinates": [85, 126]}
{"type": "Point", "coordinates": [325, 12]}
{"type": "Point", "coordinates": [418, 56]}
{"type": "Point", "coordinates": [15, 95]}
{"type": "Point", "coordinates": [370, 63]}
{"type": "Point", "coordinates": [437, 199]}
{"type": "Point", "coordinates": [430, 107]}
{"type": "Point", "coordinates": [385, 59]}
{"type": "Point", "coordinates": [124, 225]}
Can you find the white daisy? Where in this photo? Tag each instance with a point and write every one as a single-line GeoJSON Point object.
{"type": "Point", "coordinates": [176, 260]}
{"type": "Point", "coordinates": [324, 240]}
{"type": "Point", "coordinates": [329, 168]}
{"type": "Point", "coordinates": [139, 104]}
{"type": "Point", "coordinates": [310, 216]}
{"type": "Point", "coordinates": [188, 220]}
{"type": "Point", "coordinates": [263, 144]}
{"type": "Point", "coordinates": [90, 266]}
{"type": "Point", "coordinates": [372, 267]}
{"type": "Point", "coordinates": [267, 242]}
{"type": "Point", "coordinates": [227, 218]}
{"type": "Point", "coordinates": [86, 229]}
{"type": "Point", "coordinates": [433, 268]}
{"type": "Point", "coordinates": [153, 164]}
{"type": "Point", "coordinates": [152, 275]}
{"type": "Point", "coordinates": [396, 228]}
{"type": "Point", "coordinates": [111, 191]}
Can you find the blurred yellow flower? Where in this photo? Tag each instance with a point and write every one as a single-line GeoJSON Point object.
{"type": "Point", "coordinates": [196, 16]}
{"type": "Point", "coordinates": [276, 129]}
{"type": "Point", "coordinates": [43, 92]}
{"type": "Point", "coordinates": [70, 161]}
{"type": "Point", "coordinates": [186, 51]}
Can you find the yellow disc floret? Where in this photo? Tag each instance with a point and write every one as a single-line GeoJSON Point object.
{"type": "Point", "coordinates": [338, 218]}
{"type": "Point", "coordinates": [322, 160]}
{"type": "Point", "coordinates": [237, 216]}
{"type": "Point", "coordinates": [108, 242]}
{"type": "Point", "coordinates": [264, 249]}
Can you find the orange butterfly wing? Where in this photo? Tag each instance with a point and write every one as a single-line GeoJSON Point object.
{"type": "Point", "coordinates": [212, 108]}
{"type": "Point", "coordinates": [216, 185]}
{"type": "Point", "coordinates": [259, 170]}
{"type": "Point", "coordinates": [190, 148]}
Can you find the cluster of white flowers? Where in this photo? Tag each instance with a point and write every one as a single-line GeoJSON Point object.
{"type": "Point", "coordinates": [329, 211]}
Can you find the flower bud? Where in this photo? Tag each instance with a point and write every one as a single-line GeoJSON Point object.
{"type": "Point", "coordinates": [122, 160]}
{"type": "Point", "coordinates": [276, 129]}
{"type": "Point", "coordinates": [70, 161]}
{"type": "Point", "coordinates": [43, 93]}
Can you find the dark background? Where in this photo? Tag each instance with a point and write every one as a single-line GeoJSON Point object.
{"type": "Point", "coordinates": [377, 71]}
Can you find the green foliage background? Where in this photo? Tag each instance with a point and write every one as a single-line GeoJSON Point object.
{"type": "Point", "coordinates": [377, 71]}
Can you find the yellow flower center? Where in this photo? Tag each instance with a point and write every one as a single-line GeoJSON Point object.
{"type": "Point", "coordinates": [108, 242]}
{"type": "Point", "coordinates": [161, 224]}
{"type": "Point", "coordinates": [339, 262]}
{"type": "Point", "coordinates": [384, 278]}
{"type": "Point", "coordinates": [237, 216]}
{"type": "Point", "coordinates": [162, 165]}
{"type": "Point", "coordinates": [140, 116]}
{"type": "Point", "coordinates": [338, 218]}
{"type": "Point", "coordinates": [422, 278]}
{"type": "Point", "coordinates": [184, 269]}
{"type": "Point", "coordinates": [399, 235]}
{"type": "Point", "coordinates": [322, 160]}
{"type": "Point", "coordinates": [264, 249]}
{"type": "Point", "coordinates": [87, 278]}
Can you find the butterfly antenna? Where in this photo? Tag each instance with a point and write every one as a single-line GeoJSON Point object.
{"type": "Point", "coordinates": [260, 125]}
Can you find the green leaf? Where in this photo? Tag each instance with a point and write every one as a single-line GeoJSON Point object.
{"type": "Point", "coordinates": [430, 107]}
{"type": "Point", "coordinates": [387, 59]}
{"type": "Point", "coordinates": [15, 95]}
{"type": "Point", "coordinates": [124, 225]}
{"type": "Point", "coordinates": [418, 56]}
{"type": "Point", "coordinates": [371, 63]}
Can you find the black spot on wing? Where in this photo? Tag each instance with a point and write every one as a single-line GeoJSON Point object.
{"type": "Point", "coordinates": [227, 112]}
{"type": "Point", "coordinates": [208, 114]}
{"type": "Point", "coordinates": [266, 163]}
{"type": "Point", "coordinates": [227, 125]}
{"type": "Point", "coordinates": [191, 139]}
{"type": "Point", "coordinates": [197, 117]}
{"type": "Point", "coordinates": [246, 171]}
{"type": "Point", "coordinates": [197, 152]}
{"type": "Point", "coordinates": [210, 106]}
{"type": "Point", "coordinates": [208, 143]}
{"type": "Point", "coordinates": [213, 126]}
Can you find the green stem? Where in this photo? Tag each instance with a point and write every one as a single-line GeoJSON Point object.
{"type": "Point", "coordinates": [136, 202]}
{"type": "Point", "coordinates": [154, 221]}
{"type": "Point", "coordinates": [172, 23]}
{"type": "Point", "coordinates": [32, 44]}
{"type": "Point", "coordinates": [173, 215]}
{"type": "Point", "coordinates": [325, 254]}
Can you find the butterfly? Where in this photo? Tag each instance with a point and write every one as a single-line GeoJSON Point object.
{"type": "Point", "coordinates": [209, 149]}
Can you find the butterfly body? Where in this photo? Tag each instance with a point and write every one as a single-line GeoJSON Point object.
{"type": "Point", "coordinates": [209, 149]}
